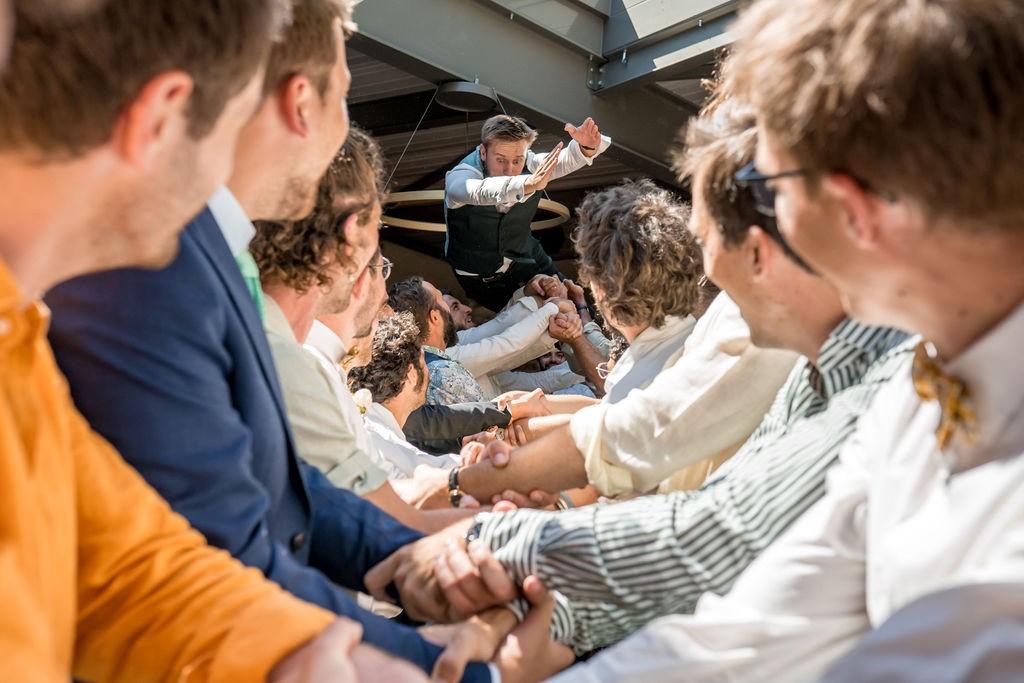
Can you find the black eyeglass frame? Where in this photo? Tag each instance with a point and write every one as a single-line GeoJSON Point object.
{"type": "Point", "coordinates": [764, 197]}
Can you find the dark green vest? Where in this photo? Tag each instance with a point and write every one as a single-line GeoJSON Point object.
{"type": "Point", "coordinates": [479, 237]}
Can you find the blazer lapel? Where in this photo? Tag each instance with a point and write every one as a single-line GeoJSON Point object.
{"type": "Point", "coordinates": [206, 234]}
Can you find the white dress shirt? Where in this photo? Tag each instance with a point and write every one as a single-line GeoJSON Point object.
{"type": "Point", "coordinates": [968, 634]}
{"type": "Point", "coordinates": [234, 224]}
{"type": "Point", "coordinates": [649, 353]}
{"type": "Point", "coordinates": [516, 335]}
{"type": "Point", "coordinates": [389, 441]}
{"type": "Point", "coordinates": [901, 518]}
{"type": "Point", "coordinates": [465, 184]}
{"type": "Point", "coordinates": [709, 401]}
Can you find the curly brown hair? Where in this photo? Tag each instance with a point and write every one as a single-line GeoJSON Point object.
{"type": "Point", "coordinates": [718, 143]}
{"type": "Point", "coordinates": [633, 242]}
{"type": "Point", "coordinates": [300, 254]}
{"type": "Point", "coordinates": [396, 346]}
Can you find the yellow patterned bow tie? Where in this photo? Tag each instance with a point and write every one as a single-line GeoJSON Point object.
{"type": "Point", "coordinates": [954, 397]}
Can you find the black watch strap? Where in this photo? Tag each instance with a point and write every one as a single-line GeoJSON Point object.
{"type": "Point", "coordinates": [454, 492]}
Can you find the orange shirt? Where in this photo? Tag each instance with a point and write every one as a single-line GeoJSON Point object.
{"type": "Point", "coordinates": [98, 577]}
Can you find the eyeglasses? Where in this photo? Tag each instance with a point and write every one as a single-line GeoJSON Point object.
{"type": "Point", "coordinates": [385, 266]}
{"type": "Point", "coordinates": [755, 181]}
{"type": "Point", "coordinates": [764, 197]}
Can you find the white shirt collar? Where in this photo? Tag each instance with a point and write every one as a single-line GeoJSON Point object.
{"type": "Point", "coordinates": [234, 224]}
{"type": "Point", "coordinates": [385, 418]}
{"type": "Point", "coordinates": [324, 340]}
{"type": "Point", "coordinates": [675, 326]}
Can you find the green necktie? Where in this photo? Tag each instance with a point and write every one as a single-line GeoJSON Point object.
{"type": "Point", "coordinates": [251, 275]}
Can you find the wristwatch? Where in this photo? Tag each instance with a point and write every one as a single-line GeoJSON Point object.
{"type": "Point", "coordinates": [473, 533]}
{"type": "Point", "coordinates": [454, 492]}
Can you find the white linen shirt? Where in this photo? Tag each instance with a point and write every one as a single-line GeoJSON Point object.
{"type": "Point", "coordinates": [649, 353]}
{"type": "Point", "coordinates": [389, 441]}
{"type": "Point", "coordinates": [518, 334]}
{"type": "Point", "coordinates": [901, 518]}
{"type": "Point", "coordinates": [709, 401]}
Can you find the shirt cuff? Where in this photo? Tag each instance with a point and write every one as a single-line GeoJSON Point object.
{"type": "Point", "coordinates": [587, 428]}
{"type": "Point", "coordinates": [495, 673]}
{"type": "Point", "coordinates": [358, 474]}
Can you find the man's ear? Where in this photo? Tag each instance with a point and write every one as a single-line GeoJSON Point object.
{"type": "Point", "coordinates": [156, 119]}
{"type": "Point", "coordinates": [360, 285]}
{"type": "Point", "coordinates": [758, 249]}
{"type": "Point", "coordinates": [858, 208]}
{"type": "Point", "coordinates": [296, 100]}
{"type": "Point", "coordinates": [435, 317]}
{"type": "Point", "coordinates": [483, 151]}
{"type": "Point", "coordinates": [350, 230]}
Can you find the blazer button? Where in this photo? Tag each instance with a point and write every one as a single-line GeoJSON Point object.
{"type": "Point", "coordinates": [298, 541]}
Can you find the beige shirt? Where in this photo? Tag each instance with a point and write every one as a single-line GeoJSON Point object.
{"type": "Point", "coordinates": [323, 436]}
{"type": "Point", "coordinates": [704, 405]}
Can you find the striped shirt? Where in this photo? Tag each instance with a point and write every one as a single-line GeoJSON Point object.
{"type": "Point", "coordinates": [617, 567]}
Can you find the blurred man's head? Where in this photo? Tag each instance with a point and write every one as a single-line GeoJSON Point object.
{"type": "Point", "coordinates": [637, 254]}
{"type": "Point", "coordinates": [428, 308]}
{"type": "Point", "coordinates": [137, 106]}
{"type": "Point", "coordinates": [887, 119]}
{"type": "Point", "coordinates": [743, 251]}
{"type": "Point", "coordinates": [306, 87]}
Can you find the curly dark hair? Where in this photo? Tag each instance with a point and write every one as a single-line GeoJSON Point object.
{"type": "Point", "coordinates": [410, 296]}
{"type": "Point", "coordinates": [396, 346]}
{"type": "Point", "coordinates": [299, 254]}
{"type": "Point", "coordinates": [633, 241]}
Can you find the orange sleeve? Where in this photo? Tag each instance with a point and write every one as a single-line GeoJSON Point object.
{"type": "Point", "coordinates": [155, 603]}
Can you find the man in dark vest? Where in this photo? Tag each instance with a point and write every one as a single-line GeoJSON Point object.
{"type": "Point", "coordinates": [490, 199]}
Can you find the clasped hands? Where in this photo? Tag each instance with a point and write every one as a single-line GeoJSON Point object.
{"type": "Point", "coordinates": [442, 579]}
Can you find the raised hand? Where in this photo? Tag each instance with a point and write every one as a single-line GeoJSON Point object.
{"type": "Point", "coordinates": [540, 178]}
{"type": "Point", "coordinates": [585, 135]}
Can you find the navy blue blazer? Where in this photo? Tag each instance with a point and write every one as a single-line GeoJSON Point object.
{"type": "Point", "coordinates": [173, 368]}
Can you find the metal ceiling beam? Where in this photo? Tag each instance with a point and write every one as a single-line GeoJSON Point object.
{"type": "Point", "coordinates": [577, 27]}
{"type": "Point", "coordinates": [677, 56]}
{"type": "Point", "coordinates": [534, 76]}
{"type": "Point", "coordinates": [632, 23]}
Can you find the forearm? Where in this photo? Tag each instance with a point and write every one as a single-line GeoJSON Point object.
{"type": "Point", "coordinates": [535, 428]}
{"type": "Point", "coordinates": [588, 356]}
{"type": "Point", "coordinates": [567, 405]}
{"type": "Point", "coordinates": [426, 521]}
{"type": "Point", "coordinates": [551, 464]}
